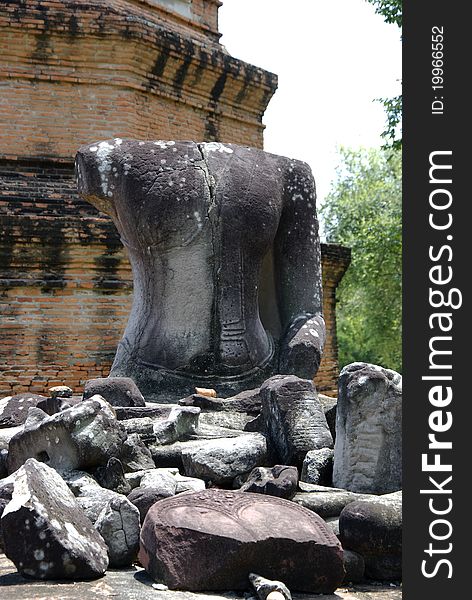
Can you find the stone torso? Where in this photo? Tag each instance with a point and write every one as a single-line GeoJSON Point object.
{"type": "Point", "coordinates": [197, 220]}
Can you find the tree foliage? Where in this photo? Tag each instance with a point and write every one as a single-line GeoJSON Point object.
{"type": "Point", "coordinates": [392, 12]}
{"type": "Point", "coordinates": [393, 109]}
{"type": "Point", "coordinates": [363, 211]}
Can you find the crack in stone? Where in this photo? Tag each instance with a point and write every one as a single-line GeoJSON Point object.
{"type": "Point", "coordinates": [213, 217]}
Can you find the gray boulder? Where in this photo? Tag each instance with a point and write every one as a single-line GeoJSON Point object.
{"type": "Point", "coordinates": [263, 587]}
{"type": "Point", "coordinates": [6, 434]}
{"type": "Point", "coordinates": [221, 460]}
{"type": "Point", "coordinates": [45, 532]}
{"type": "Point", "coordinates": [373, 529]}
{"type": "Point", "coordinates": [93, 499]}
{"type": "Point", "coordinates": [112, 514]}
{"type": "Point", "coordinates": [117, 391]}
{"type": "Point", "coordinates": [157, 484]}
{"type": "Point", "coordinates": [119, 525]}
{"type": "Point", "coordinates": [135, 455]}
{"type": "Point", "coordinates": [181, 423]}
{"type": "Point", "coordinates": [150, 410]}
{"type": "Point", "coordinates": [280, 481]}
{"type": "Point", "coordinates": [329, 405]}
{"type": "Point", "coordinates": [368, 450]}
{"type": "Point", "coordinates": [14, 409]}
{"type": "Point", "coordinates": [317, 467]}
{"type": "Point", "coordinates": [325, 501]}
{"type": "Point", "coordinates": [248, 401]}
{"type": "Point", "coordinates": [354, 565]}
{"type": "Point", "coordinates": [160, 479]}
{"type": "Point", "coordinates": [112, 476]}
{"type": "Point", "coordinates": [188, 484]}
{"type": "Point", "coordinates": [3, 503]}
{"type": "Point", "coordinates": [3, 463]}
{"type": "Point", "coordinates": [79, 482]}
{"type": "Point", "coordinates": [294, 419]}
{"type": "Point", "coordinates": [143, 426]}
{"type": "Point", "coordinates": [143, 499]}
{"type": "Point", "coordinates": [238, 421]}
{"type": "Point", "coordinates": [84, 436]}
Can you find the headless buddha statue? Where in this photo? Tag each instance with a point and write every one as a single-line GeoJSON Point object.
{"type": "Point", "coordinates": [197, 220]}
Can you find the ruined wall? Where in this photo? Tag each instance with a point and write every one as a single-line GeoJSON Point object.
{"type": "Point", "coordinates": [77, 71]}
{"type": "Point", "coordinates": [335, 260]}
{"type": "Point", "coordinates": [66, 284]}
{"type": "Point", "coordinates": [73, 72]}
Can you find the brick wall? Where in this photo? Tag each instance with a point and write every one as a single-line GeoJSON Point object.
{"type": "Point", "coordinates": [77, 71]}
{"type": "Point", "coordinates": [66, 284]}
{"type": "Point", "coordinates": [74, 72]}
{"type": "Point", "coordinates": [335, 261]}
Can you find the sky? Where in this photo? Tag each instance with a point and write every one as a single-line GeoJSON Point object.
{"type": "Point", "coordinates": [333, 58]}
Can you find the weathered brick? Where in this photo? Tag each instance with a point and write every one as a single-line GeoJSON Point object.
{"type": "Point", "coordinates": [73, 72]}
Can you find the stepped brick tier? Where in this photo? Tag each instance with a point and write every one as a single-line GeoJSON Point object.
{"type": "Point", "coordinates": [72, 72]}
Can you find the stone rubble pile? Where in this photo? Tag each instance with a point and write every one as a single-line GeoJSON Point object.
{"type": "Point", "coordinates": [208, 493]}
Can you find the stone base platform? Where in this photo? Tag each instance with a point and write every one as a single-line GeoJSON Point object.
{"type": "Point", "coordinates": [134, 584]}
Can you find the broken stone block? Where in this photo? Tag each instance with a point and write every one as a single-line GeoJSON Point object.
{"type": "Point", "coordinates": [181, 423]}
{"type": "Point", "coordinates": [143, 499]}
{"type": "Point", "coordinates": [6, 434]}
{"type": "Point", "coordinates": [151, 410]}
{"type": "Point", "coordinates": [84, 436]}
{"type": "Point", "coordinates": [93, 499]}
{"type": "Point", "coordinates": [3, 463]}
{"type": "Point", "coordinates": [135, 455]}
{"type": "Point", "coordinates": [265, 587]}
{"type": "Point", "coordinates": [46, 534]}
{"type": "Point", "coordinates": [280, 481]}
{"type": "Point", "coordinates": [112, 477]}
{"type": "Point", "coordinates": [117, 391]}
{"type": "Point", "coordinates": [112, 514]}
{"type": "Point", "coordinates": [221, 460]}
{"type": "Point", "coordinates": [368, 450]}
{"type": "Point", "coordinates": [14, 409]}
{"type": "Point", "coordinates": [248, 401]}
{"type": "Point", "coordinates": [354, 565]}
{"type": "Point", "coordinates": [61, 391]}
{"type": "Point", "coordinates": [329, 408]}
{"type": "Point", "coordinates": [212, 540]}
{"type": "Point", "coordinates": [238, 421]}
{"type": "Point", "coordinates": [317, 467]}
{"type": "Point", "coordinates": [79, 481]}
{"type": "Point", "coordinates": [294, 419]}
{"type": "Point", "coordinates": [373, 529]}
{"type": "Point", "coordinates": [302, 347]}
{"type": "Point", "coordinates": [158, 484]}
{"type": "Point", "coordinates": [208, 392]}
{"type": "Point", "coordinates": [3, 504]}
{"type": "Point", "coordinates": [143, 426]}
{"type": "Point", "coordinates": [160, 479]}
{"type": "Point", "coordinates": [325, 501]}
{"type": "Point", "coordinates": [119, 525]}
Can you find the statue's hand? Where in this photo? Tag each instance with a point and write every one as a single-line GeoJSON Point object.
{"type": "Point", "coordinates": [302, 347]}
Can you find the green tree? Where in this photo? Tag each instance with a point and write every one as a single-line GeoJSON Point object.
{"type": "Point", "coordinates": [392, 12]}
{"type": "Point", "coordinates": [363, 211]}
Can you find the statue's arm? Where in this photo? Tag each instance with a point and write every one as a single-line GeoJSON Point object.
{"type": "Point", "coordinates": [93, 170]}
{"type": "Point", "coordinates": [297, 267]}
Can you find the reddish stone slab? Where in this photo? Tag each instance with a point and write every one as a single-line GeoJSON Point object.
{"type": "Point", "coordinates": [212, 540]}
